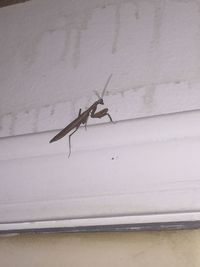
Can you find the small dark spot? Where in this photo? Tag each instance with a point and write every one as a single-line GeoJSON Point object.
{"type": "Point", "coordinates": [177, 82]}
{"type": "Point", "coordinates": [112, 158]}
{"type": "Point", "coordinates": [52, 111]}
{"type": "Point", "coordinates": [136, 15]}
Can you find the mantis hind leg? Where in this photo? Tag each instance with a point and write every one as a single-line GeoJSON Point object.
{"type": "Point", "coordinates": [79, 113]}
{"type": "Point", "coordinates": [70, 140]}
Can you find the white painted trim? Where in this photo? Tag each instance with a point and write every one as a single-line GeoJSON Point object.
{"type": "Point", "coordinates": [87, 222]}
{"type": "Point", "coordinates": [137, 131]}
{"type": "Point", "coordinates": [137, 171]}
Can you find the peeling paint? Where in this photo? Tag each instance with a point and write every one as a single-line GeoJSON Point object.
{"type": "Point", "coordinates": [198, 34]}
{"type": "Point", "coordinates": [12, 126]}
{"type": "Point", "coordinates": [149, 98]}
{"type": "Point", "coordinates": [76, 54]}
{"type": "Point", "coordinates": [82, 26]}
{"type": "Point", "coordinates": [137, 9]}
{"type": "Point", "coordinates": [67, 40]}
{"type": "Point", "coordinates": [6, 122]}
{"type": "Point", "coordinates": [158, 15]}
{"type": "Point", "coordinates": [35, 123]}
{"type": "Point", "coordinates": [117, 27]}
{"type": "Point", "coordinates": [52, 111]}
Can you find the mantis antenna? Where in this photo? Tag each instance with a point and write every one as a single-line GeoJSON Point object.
{"type": "Point", "coordinates": [104, 89]}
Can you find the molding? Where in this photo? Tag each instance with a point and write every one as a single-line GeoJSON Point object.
{"type": "Point", "coordinates": [132, 172]}
{"type": "Point", "coordinates": [126, 223]}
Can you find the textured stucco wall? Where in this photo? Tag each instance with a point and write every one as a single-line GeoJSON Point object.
{"type": "Point", "coordinates": [152, 249]}
{"type": "Point", "coordinates": [54, 54]}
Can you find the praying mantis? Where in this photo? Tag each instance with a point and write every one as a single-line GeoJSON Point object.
{"type": "Point", "coordinates": [83, 117]}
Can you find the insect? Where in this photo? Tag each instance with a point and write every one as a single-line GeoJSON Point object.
{"type": "Point", "coordinates": [83, 118]}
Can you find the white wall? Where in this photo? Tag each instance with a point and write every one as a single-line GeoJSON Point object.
{"type": "Point", "coordinates": [53, 54]}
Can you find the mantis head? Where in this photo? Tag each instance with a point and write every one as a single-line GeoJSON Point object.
{"type": "Point", "coordinates": [100, 101]}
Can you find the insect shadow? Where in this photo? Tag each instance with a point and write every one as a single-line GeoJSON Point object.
{"type": "Point", "coordinates": [83, 117]}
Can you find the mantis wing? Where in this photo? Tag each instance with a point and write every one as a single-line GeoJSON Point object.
{"type": "Point", "coordinates": [74, 124]}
